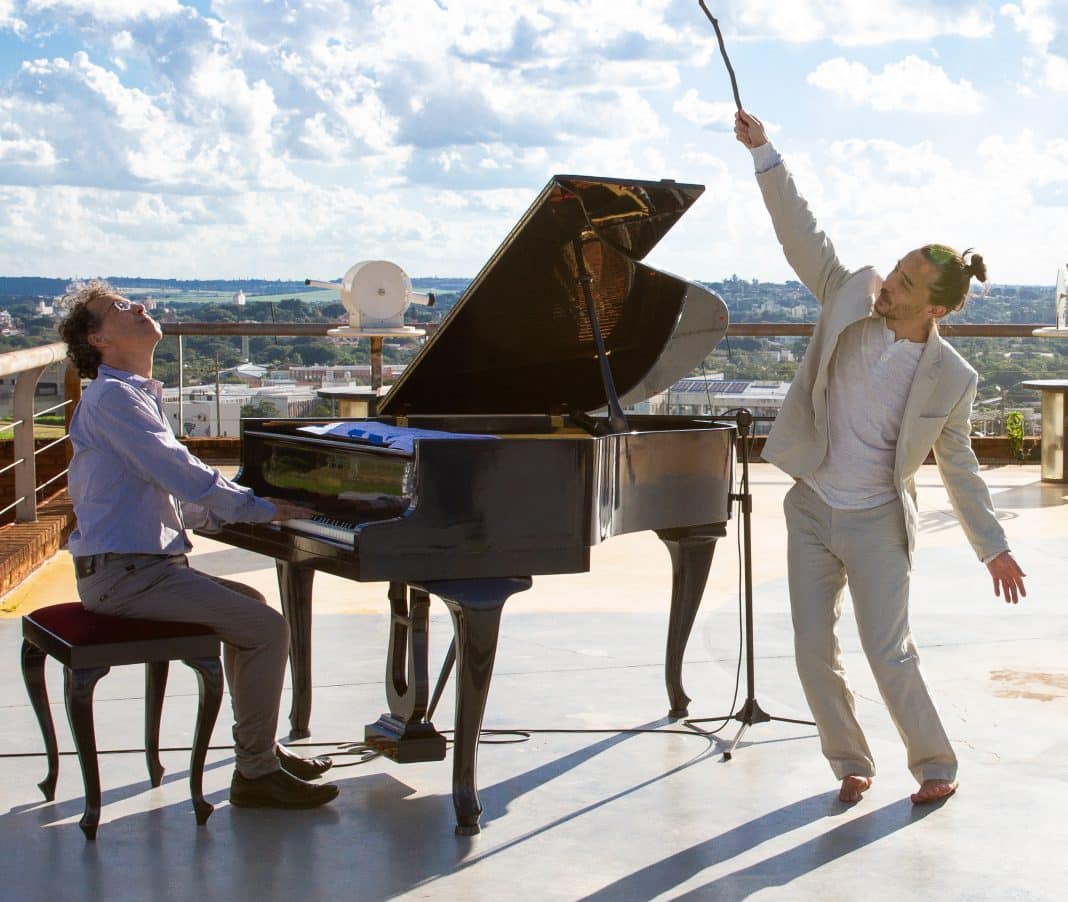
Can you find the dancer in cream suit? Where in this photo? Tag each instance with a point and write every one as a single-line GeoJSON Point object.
{"type": "Point", "coordinates": [877, 389]}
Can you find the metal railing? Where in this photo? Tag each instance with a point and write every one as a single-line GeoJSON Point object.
{"type": "Point", "coordinates": [949, 330]}
{"type": "Point", "coordinates": [745, 330]}
{"type": "Point", "coordinates": [26, 366]}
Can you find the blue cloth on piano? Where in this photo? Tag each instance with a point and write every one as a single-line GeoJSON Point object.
{"type": "Point", "coordinates": [398, 438]}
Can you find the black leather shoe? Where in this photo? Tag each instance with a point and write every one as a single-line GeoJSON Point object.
{"type": "Point", "coordinates": [302, 768]}
{"type": "Point", "coordinates": [279, 790]}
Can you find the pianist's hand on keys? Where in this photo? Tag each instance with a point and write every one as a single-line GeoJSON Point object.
{"type": "Point", "coordinates": [287, 510]}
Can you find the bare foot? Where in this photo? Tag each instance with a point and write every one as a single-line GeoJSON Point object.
{"type": "Point", "coordinates": [934, 791]}
{"type": "Point", "coordinates": [853, 788]}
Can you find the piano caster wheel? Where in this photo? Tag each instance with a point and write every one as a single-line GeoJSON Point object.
{"type": "Point", "coordinates": [468, 829]}
{"type": "Point", "coordinates": [678, 713]}
{"type": "Point", "coordinates": [726, 756]}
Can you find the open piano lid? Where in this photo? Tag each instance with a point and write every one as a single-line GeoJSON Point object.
{"type": "Point", "coordinates": [519, 339]}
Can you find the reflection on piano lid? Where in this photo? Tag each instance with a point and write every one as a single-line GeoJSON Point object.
{"type": "Point", "coordinates": [519, 340]}
{"type": "Point", "coordinates": [329, 476]}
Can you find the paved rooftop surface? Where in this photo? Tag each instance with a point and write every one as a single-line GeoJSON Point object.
{"type": "Point", "coordinates": [604, 814]}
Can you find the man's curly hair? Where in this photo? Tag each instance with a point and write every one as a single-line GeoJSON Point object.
{"type": "Point", "coordinates": [80, 322]}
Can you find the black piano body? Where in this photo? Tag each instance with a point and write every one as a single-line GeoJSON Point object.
{"type": "Point", "coordinates": [530, 476]}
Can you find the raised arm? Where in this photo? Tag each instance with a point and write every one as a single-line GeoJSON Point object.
{"type": "Point", "coordinates": [808, 250]}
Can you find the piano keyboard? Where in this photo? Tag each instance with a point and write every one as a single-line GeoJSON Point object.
{"type": "Point", "coordinates": [325, 528]}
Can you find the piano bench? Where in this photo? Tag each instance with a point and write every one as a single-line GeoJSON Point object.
{"type": "Point", "coordinates": [88, 645]}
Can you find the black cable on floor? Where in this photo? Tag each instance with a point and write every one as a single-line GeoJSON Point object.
{"type": "Point", "coordinates": [367, 753]}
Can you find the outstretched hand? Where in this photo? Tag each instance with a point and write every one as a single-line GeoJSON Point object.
{"type": "Point", "coordinates": [1008, 577]}
{"type": "Point", "coordinates": [749, 130]}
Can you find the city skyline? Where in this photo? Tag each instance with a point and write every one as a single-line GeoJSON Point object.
{"type": "Point", "coordinates": [214, 139]}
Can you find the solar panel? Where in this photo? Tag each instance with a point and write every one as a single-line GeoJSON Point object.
{"type": "Point", "coordinates": [700, 385]}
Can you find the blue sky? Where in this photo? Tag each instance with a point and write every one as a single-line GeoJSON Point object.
{"type": "Point", "coordinates": [284, 139]}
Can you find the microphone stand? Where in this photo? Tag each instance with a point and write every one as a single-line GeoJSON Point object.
{"type": "Point", "coordinates": [750, 713]}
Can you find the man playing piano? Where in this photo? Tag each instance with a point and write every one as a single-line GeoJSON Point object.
{"type": "Point", "coordinates": [877, 389]}
{"type": "Point", "coordinates": [136, 490]}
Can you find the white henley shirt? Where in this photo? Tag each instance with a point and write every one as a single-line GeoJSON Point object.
{"type": "Point", "coordinates": [868, 385]}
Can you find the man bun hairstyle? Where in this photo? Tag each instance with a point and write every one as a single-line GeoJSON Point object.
{"type": "Point", "coordinates": [955, 273]}
{"type": "Point", "coordinates": [80, 322]}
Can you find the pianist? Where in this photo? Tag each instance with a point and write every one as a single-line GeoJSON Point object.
{"type": "Point", "coordinates": [877, 389]}
{"type": "Point", "coordinates": [136, 490]}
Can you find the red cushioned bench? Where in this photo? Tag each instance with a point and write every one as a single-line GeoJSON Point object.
{"type": "Point", "coordinates": [88, 645]}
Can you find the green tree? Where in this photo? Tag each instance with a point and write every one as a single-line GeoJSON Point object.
{"type": "Point", "coordinates": [213, 313]}
{"type": "Point", "coordinates": [259, 409]}
{"type": "Point", "coordinates": [294, 310]}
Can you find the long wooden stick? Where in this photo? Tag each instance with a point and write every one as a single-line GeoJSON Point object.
{"type": "Point", "coordinates": [723, 53]}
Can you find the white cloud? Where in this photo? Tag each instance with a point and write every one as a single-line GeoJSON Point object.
{"type": "Point", "coordinates": [1036, 170]}
{"type": "Point", "coordinates": [106, 11]}
{"type": "Point", "coordinates": [877, 199]}
{"type": "Point", "coordinates": [476, 72]}
{"type": "Point", "coordinates": [1057, 72]}
{"type": "Point", "coordinates": [123, 137]}
{"type": "Point", "coordinates": [1035, 20]}
{"type": "Point", "coordinates": [280, 138]}
{"type": "Point", "coordinates": [911, 85]}
{"type": "Point", "coordinates": [246, 235]}
{"type": "Point", "coordinates": [338, 82]}
{"type": "Point", "coordinates": [852, 23]}
{"type": "Point", "coordinates": [8, 19]}
{"type": "Point", "coordinates": [19, 149]}
{"type": "Point", "coordinates": [716, 114]}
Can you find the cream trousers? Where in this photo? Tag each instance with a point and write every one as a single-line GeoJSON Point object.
{"type": "Point", "coordinates": [827, 548]}
{"type": "Point", "coordinates": [255, 637]}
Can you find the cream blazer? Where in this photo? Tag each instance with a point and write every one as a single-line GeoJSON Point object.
{"type": "Point", "coordinates": [938, 409]}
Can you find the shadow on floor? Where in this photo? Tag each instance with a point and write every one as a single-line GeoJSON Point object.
{"type": "Point", "coordinates": [777, 870]}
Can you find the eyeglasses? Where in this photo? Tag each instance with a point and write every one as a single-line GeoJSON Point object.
{"type": "Point", "coordinates": [123, 305]}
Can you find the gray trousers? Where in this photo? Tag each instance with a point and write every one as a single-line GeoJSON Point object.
{"type": "Point", "coordinates": [255, 637]}
{"type": "Point", "coordinates": [827, 547]}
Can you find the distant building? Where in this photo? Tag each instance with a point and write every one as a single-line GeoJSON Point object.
{"type": "Point", "coordinates": [239, 298]}
{"type": "Point", "coordinates": [327, 375]}
{"type": "Point", "coordinates": [47, 393]}
{"type": "Point", "coordinates": [715, 396]}
{"type": "Point", "coordinates": [202, 416]}
{"type": "Point", "coordinates": [250, 373]}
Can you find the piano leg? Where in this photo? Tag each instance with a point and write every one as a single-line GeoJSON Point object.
{"type": "Point", "coordinates": [475, 606]}
{"type": "Point", "coordinates": [404, 734]}
{"type": "Point", "coordinates": [295, 589]}
{"type": "Point", "coordinates": [691, 551]}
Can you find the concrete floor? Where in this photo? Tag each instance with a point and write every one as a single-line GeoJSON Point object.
{"type": "Point", "coordinates": [606, 814]}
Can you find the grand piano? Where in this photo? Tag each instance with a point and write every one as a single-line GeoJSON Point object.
{"type": "Point", "coordinates": [518, 457]}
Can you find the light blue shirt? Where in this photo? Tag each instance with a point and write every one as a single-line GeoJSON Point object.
{"type": "Point", "coordinates": [135, 487]}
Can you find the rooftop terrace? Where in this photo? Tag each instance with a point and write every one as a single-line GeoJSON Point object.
{"type": "Point", "coordinates": [606, 814]}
